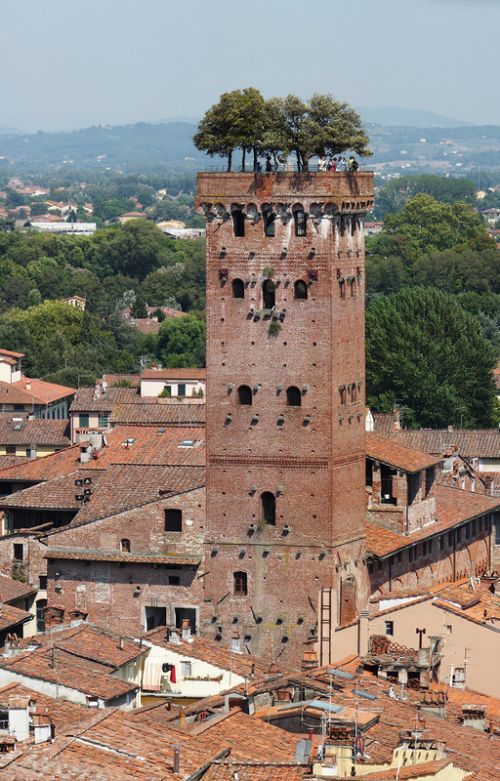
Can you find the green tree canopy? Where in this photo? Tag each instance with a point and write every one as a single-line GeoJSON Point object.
{"type": "Point", "coordinates": [425, 352]}
{"type": "Point", "coordinates": [182, 341]}
{"type": "Point", "coordinates": [396, 193]}
{"type": "Point", "coordinates": [280, 126]}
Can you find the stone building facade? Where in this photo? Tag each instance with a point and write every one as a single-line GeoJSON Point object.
{"type": "Point", "coordinates": [285, 405]}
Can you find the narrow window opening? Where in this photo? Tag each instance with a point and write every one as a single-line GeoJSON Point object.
{"type": "Point", "coordinates": [125, 546]}
{"type": "Point", "coordinates": [269, 294]}
{"type": "Point", "coordinates": [245, 396]}
{"type": "Point", "coordinates": [173, 520]}
{"type": "Point", "coordinates": [238, 288]}
{"type": "Point", "coordinates": [343, 394]}
{"type": "Point", "coordinates": [240, 584]}
{"type": "Point", "coordinates": [300, 220]}
{"type": "Point", "coordinates": [269, 222]}
{"type": "Point", "coordinates": [300, 290]}
{"type": "Point", "coordinates": [293, 396]}
{"type": "Point", "coordinates": [268, 501]}
{"type": "Point", "coordinates": [238, 222]}
{"type": "Point", "coordinates": [342, 287]}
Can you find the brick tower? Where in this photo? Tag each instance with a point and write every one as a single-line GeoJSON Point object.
{"type": "Point", "coordinates": [285, 407]}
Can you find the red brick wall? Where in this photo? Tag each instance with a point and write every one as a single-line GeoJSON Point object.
{"type": "Point", "coordinates": [320, 466]}
{"type": "Point", "coordinates": [438, 566]}
{"type": "Point", "coordinates": [107, 591]}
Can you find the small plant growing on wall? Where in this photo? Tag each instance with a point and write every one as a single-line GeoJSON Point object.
{"type": "Point", "coordinates": [268, 271]}
{"type": "Point", "coordinates": [274, 328]}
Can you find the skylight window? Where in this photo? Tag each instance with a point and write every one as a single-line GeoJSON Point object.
{"type": "Point", "coordinates": [187, 443]}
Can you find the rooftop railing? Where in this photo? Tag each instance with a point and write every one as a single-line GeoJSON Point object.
{"type": "Point", "coordinates": [281, 168]}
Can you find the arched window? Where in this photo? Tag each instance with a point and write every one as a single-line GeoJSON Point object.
{"type": "Point", "coordinates": [342, 287]}
{"type": "Point", "coordinates": [300, 289]}
{"type": "Point", "coordinates": [269, 221]}
{"type": "Point", "coordinates": [125, 546]}
{"type": "Point", "coordinates": [269, 294]}
{"type": "Point", "coordinates": [238, 288]}
{"type": "Point", "coordinates": [245, 396]}
{"type": "Point", "coordinates": [354, 392]}
{"type": "Point", "coordinates": [343, 394]}
{"type": "Point", "coordinates": [293, 396]}
{"type": "Point", "coordinates": [240, 584]}
{"type": "Point", "coordinates": [268, 502]}
{"type": "Point", "coordinates": [238, 222]}
{"type": "Point", "coordinates": [300, 219]}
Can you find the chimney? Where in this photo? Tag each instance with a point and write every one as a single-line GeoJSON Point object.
{"type": "Point", "coordinates": [28, 386]}
{"type": "Point", "coordinates": [182, 718]}
{"type": "Point", "coordinates": [309, 660]}
{"type": "Point", "coordinates": [42, 727]}
{"type": "Point", "coordinates": [19, 719]}
{"type": "Point", "coordinates": [474, 716]}
{"type": "Point", "coordinates": [397, 419]}
{"type": "Point", "coordinates": [177, 758]}
{"type": "Point", "coordinates": [236, 643]}
{"type": "Point", "coordinates": [363, 630]}
{"type": "Point", "coordinates": [121, 643]}
{"type": "Point", "coordinates": [186, 630]}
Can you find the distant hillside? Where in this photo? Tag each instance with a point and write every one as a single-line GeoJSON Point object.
{"type": "Point", "coordinates": [167, 147]}
{"type": "Point", "coordinates": [407, 117]}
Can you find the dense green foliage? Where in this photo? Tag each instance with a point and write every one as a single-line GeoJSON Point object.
{"type": "Point", "coordinates": [132, 265]}
{"type": "Point", "coordinates": [428, 355]}
{"type": "Point", "coordinates": [242, 119]}
{"type": "Point", "coordinates": [396, 193]}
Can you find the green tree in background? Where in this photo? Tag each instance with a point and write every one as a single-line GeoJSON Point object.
{"type": "Point", "coordinates": [280, 126]}
{"type": "Point", "coordinates": [425, 352]}
{"type": "Point", "coordinates": [425, 225]}
{"type": "Point", "coordinates": [182, 341]}
{"type": "Point", "coordinates": [394, 195]}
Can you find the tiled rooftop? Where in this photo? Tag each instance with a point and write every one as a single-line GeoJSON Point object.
{"type": "Point", "coordinates": [125, 486]}
{"type": "Point", "coordinates": [57, 494]}
{"type": "Point", "coordinates": [174, 374]}
{"type": "Point", "coordinates": [62, 712]}
{"type": "Point", "coordinates": [161, 414]}
{"type": "Point", "coordinates": [396, 455]}
{"type": "Point", "coordinates": [252, 771]}
{"type": "Point", "coordinates": [11, 590]}
{"type": "Point", "coordinates": [66, 669]}
{"type": "Point", "coordinates": [10, 616]}
{"type": "Point", "coordinates": [211, 652]}
{"type": "Point", "coordinates": [92, 554]}
{"type": "Point", "coordinates": [29, 390]}
{"type": "Point", "coordinates": [480, 443]}
{"type": "Point", "coordinates": [90, 642]}
{"type": "Point", "coordinates": [40, 431]}
{"type": "Point", "coordinates": [453, 507]}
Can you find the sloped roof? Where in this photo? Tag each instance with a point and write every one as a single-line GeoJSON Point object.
{"type": "Point", "coordinates": [41, 431]}
{"type": "Point", "coordinates": [174, 374]}
{"type": "Point", "coordinates": [58, 666]}
{"type": "Point", "coordinates": [57, 494]}
{"type": "Point", "coordinates": [396, 455]}
{"type": "Point", "coordinates": [211, 652]}
{"type": "Point", "coordinates": [90, 642]}
{"type": "Point", "coordinates": [163, 412]}
{"type": "Point", "coordinates": [11, 590]}
{"type": "Point", "coordinates": [62, 712]}
{"type": "Point", "coordinates": [33, 391]}
{"type": "Point", "coordinates": [125, 486]}
{"type": "Point", "coordinates": [453, 507]}
{"type": "Point", "coordinates": [473, 443]}
{"type": "Point", "coordinates": [11, 616]}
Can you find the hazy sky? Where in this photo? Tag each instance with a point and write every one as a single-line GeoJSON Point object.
{"type": "Point", "coordinates": [68, 64]}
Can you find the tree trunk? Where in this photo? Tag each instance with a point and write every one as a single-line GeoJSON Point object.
{"type": "Point", "coordinates": [305, 164]}
{"type": "Point", "coordinates": [229, 160]}
{"type": "Point", "coordinates": [243, 156]}
{"type": "Point", "coordinates": [297, 154]}
{"type": "Point", "coordinates": [254, 158]}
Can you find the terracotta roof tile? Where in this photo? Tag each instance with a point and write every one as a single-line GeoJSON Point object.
{"type": "Point", "coordinates": [453, 507]}
{"type": "Point", "coordinates": [40, 431]}
{"type": "Point", "coordinates": [62, 712]}
{"type": "Point", "coordinates": [174, 374]}
{"type": "Point", "coordinates": [60, 493]}
{"type": "Point", "coordinates": [253, 771]}
{"type": "Point", "coordinates": [91, 554]}
{"type": "Point", "coordinates": [10, 616]}
{"type": "Point", "coordinates": [11, 590]}
{"type": "Point", "coordinates": [211, 652]}
{"type": "Point", "coordinates": [392, 453]}
{"type": "Point", "coordinates": [33, 391]}
{"type": "Point", "coordinates": [90, 642]}
{"type": "Point", "coordinates": [163, 414]}
{"type": "Point", "coordinates": [58, 666]}
{"type": "Point", "coordinates": [474, 443]}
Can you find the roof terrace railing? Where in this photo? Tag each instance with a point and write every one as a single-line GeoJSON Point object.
{"type": "Point", "coordinates": [281, 168]}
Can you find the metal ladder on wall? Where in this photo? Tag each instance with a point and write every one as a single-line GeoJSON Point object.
{"type": "Point", "coordinates": [325, 627]}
